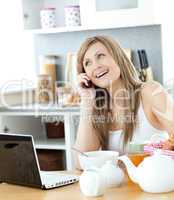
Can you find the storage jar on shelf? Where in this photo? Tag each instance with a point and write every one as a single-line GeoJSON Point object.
{"type": "Point", "coordinates": [72, 15]}
{"type": "Point", "coordinates": [44, 89]}
{"type": "Point", "coordinates": [48, 18]}
{"type": "Point", "coordinates": [48, 67]}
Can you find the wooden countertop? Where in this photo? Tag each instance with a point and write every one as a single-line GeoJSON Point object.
{"type": "Point", "coordinates": [128, 191]}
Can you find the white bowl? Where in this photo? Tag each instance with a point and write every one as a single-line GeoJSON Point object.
{"type": "Point", "coordinates": [96, 158]}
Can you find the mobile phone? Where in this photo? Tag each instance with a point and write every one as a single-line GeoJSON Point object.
{"type": "Point", "coordinates": [90, 84]}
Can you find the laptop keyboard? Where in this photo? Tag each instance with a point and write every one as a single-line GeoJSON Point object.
{"type": "Point", "coordinates": [51, 179]}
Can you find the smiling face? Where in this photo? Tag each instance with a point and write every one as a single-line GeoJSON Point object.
{"type": "Point", "coordinates": [100, 66]}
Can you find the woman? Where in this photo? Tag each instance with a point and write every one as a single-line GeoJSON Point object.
{"type": "Point", "coordinates": [116, 107]}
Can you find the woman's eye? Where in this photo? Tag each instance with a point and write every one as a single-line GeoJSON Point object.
{"type": "Point", "coordinates": [101, 55]}
{"type": "Point", "coordinates": [87, 63]}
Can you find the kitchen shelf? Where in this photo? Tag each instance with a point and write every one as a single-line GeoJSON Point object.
{"type": "Point", "coordinates": [57, 30]}
{"type": "Point", "coordinates": [39, 110]}
{"type": "Point", "coordinates": [56, 144]}
{"type": "Point", "coordinates": [96, 20]}
{"type": "Point", "coordinates": [67, 114]}
{"type": "Point", "coordinates": [84, 28]}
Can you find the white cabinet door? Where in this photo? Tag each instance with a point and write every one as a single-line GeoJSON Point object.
{"type": "Point", "coordinates": [16, 49]}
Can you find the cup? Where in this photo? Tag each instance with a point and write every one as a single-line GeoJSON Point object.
{"type": "Point", "coordinates": [137, 158]}
{"type": "Point", "coordinates": [136, 152]}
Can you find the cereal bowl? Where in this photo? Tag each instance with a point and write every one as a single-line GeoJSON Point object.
{"type": "Point", "coordinates": [96, 158]}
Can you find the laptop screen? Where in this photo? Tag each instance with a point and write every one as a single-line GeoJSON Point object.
{"type": "Point", "coordinates": [18, 162]}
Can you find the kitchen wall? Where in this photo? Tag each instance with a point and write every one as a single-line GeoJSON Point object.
{"type": "Point", "coordinates": [146, 37]}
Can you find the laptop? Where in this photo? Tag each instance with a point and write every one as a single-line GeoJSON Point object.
{"type": "Point", "coordinates": [19, 164]}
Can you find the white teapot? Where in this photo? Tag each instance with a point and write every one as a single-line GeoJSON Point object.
{"type": "Point", "coordinates": [155, 174]}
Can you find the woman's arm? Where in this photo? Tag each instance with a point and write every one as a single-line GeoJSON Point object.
{"type": "Point", "coordinates": [162, 106]}
{"type": "Point", "coordinates": [86, 139]}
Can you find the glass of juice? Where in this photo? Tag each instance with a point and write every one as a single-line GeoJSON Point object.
{"type": "Point", "coordinates": [136, 154]}
{"type": "Point", "coordinates": [137, 158]}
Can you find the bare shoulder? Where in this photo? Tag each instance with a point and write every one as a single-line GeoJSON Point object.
{"type": "Point", "coordinates": [154, 95]}
{"type": "Point", "coordinates": [150, 88]}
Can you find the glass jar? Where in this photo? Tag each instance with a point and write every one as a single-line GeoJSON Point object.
{"type": "Point", "coordinates": [44, 90]}
{"type": "Point", "coordinates": [63, 94]}
{"type": "Point", "coordinates": [48, 67]}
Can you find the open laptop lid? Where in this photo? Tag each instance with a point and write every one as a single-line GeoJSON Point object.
{"type": "Point", "coordinates": [18, 161]}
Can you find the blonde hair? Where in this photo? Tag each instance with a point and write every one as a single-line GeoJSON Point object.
{"type": "Point", "coordinates": [131, 83]}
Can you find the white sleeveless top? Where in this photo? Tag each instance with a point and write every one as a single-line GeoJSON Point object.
{"type": "Point", "coordinates": [142, 133]}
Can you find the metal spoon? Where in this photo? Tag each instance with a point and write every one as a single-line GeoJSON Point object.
{"type": "Point", "coordinates": [82, 153]}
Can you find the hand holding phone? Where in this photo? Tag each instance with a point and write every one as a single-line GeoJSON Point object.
{"type": "Point", "coordinates": [84, 81]}
{"type": "Point", "coordinates": [85, 87]}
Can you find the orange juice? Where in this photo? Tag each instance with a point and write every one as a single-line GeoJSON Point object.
{"type": "Point", "coordinates": [136, 158]}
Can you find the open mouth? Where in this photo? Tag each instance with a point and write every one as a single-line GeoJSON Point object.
{"type": "Point", "coordinates": [101, 74]}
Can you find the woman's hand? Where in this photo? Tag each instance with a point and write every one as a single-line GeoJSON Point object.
{"type": "Point", "coordinates": [85, 88]}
